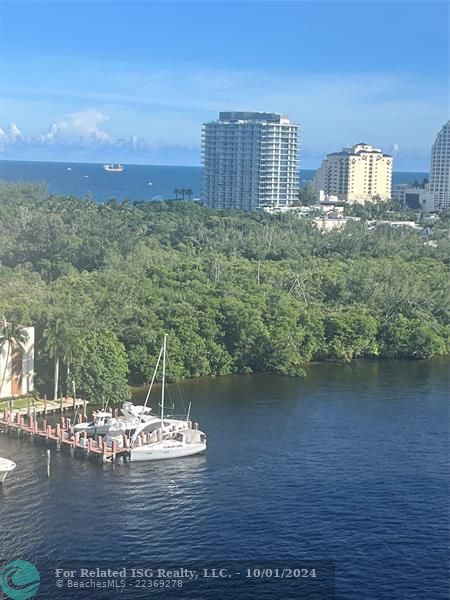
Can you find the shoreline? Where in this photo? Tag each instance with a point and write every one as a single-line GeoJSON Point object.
{"type": "Point", "coordinates": [306, 366]}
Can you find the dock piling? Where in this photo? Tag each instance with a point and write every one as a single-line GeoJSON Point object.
{"type": "Point", "coordinates": [62, 434]}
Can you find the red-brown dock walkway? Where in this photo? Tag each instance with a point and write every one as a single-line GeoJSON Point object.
{"type": "Point", "coordinates": [63, 436]}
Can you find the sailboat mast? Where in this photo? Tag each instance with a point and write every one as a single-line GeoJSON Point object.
{"type": "Point", "coordinates": [142, 423]}
{"type": "Point", "coordinates": [153, 379]}
{"type": "Point", "coordinates": [163, 379]}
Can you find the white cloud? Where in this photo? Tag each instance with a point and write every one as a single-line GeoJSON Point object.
{"type": "Point", "coordinates": [79, 127]}
{"type": "Point", "coordinates": [49, 135]}
{"type": "Point", "coordinates": [79, 134]}
{"type": "Point", "coordinates": [14, 134]}
{"type": "Point", "coordinates": [84, 124]}
{"type": "Point", "coordinates": [11, 135]}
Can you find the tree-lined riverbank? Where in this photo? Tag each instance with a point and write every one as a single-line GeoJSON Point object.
{"type": "Point", "coordinates": [236, 292]}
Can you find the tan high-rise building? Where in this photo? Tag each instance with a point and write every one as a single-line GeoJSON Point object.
{"type": "Point", "coordinates": [357, 174]}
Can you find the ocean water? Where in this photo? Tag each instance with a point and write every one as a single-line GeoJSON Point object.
{"type": "Point", "coordinates": [348, 467]}
{"type": "Point", "coordinates": [136, 182]}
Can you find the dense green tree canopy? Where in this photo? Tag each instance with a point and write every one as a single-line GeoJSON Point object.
{"type": "Point", "coordinates": [237, 292]}
{"type": "Point", "coordinates": [100, 371]}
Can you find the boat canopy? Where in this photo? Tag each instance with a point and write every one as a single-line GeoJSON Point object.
{"type": "Point", "coordinates": [191, 436]}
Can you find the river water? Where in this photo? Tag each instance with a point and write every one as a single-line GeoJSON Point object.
{"type": "Point", "coordinates": [348, 465]}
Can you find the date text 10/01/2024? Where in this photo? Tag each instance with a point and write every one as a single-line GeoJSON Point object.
{"type": "Point", "coordinates": [183, 573]}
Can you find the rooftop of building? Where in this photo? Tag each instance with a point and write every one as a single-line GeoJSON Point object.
{"type": "Point", "coordinates": [358, 149]}
{"type": "Point", "coordinates": [251, 116]}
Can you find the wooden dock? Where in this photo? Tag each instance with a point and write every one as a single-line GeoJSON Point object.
{"type": "Point", "coordinates": [62, 436]}
{"type": "Point", "coordinates": [45, 407]}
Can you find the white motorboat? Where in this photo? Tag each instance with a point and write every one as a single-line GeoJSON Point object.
{"type": "Point", "coordinates": [6, 466]}
{"type": "Point", "coordinates": [103, 421]}
{"type": "Point", "coordinates": [113, 168]}
{"type": "Point", "coordinates": [168, 438]}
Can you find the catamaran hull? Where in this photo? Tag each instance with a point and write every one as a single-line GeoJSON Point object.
{"type": "Point", "coordinates": [149, 453]}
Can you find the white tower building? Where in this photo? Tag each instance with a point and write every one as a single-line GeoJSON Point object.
{"type": "Point", "coordinates": [250, 161]}
{"type": "Point", "coordinates": [440, 169]}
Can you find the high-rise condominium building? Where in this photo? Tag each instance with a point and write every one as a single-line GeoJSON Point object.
{"type": "Point", "coordinates": [249, 161]}
{"type": "Point", "coordinates": [357, 174]}
{"type": "Point", "coordinates": [440, 169]}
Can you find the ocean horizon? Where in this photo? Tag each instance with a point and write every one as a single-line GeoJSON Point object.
{"type": "Point", "coordinates": [136, 182]}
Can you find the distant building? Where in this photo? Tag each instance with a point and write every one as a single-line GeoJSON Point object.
{"type": "Point", "coordinates": [357, 174]}
{"type": "Point", "coordinates": [250, 161]}
{"type": "Point", "coordinates": [328, 197]}
{"type": "Point", "coordinates": [440, 169]}
{"type": "Point", "coordinates": [333, 220]}
{"type": "Point", "coordinates": [17, 367]}
{"type": "Point", "coordinates": [419, 198]}
{"type": "Point", "coordinates": [399, 192]}
{"type": "Point", "coordinates": [395, 224]}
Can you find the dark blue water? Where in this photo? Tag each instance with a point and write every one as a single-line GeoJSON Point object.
{"type": "Point", "coordinates": [132, 184]}
{"type": "Point", "coordinates": [349, 465]}
{"type": "Point", "coordinates": [136, 182]}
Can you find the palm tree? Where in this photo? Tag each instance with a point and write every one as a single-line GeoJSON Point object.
{"type": "Point", "coordinates": [189, 193]}
{"type": "Point", "coordinates": [61, 344]}
{"type": "Point", "coordinates": [176, 192]}
{"type": "Point", "coordinates": [12, 335]}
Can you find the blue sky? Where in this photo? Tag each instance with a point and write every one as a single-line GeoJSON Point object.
{"type": "Point", "coordinates": [133, 81]}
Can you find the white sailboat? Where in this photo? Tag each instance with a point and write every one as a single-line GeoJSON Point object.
{"type": "Point", "coordinates": [186, 442]}
{"type": "Point", "coordinates": [169, 438]}
{"type": "Point", "coordinates": [6, 466]}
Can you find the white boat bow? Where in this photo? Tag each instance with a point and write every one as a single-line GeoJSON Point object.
{"type": "Point", "coordinates": [6, 466]}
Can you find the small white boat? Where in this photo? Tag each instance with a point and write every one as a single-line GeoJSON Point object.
{"type": "Point", "coordinates": [101, 423]}
{"type": "Point", "coordinates": [6, 466]}
{"type": "Point", "coordinates": [169, 438]}
{"type": "Point", "coordinates": [112, 168]}
{"type": "Point", "coordinates": [69, 168]}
